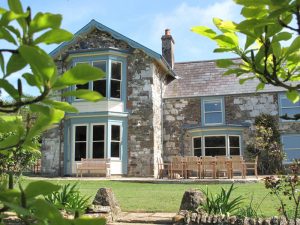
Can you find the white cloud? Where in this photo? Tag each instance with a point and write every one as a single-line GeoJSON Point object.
{"type": "Point", "coordinates": [190, 46]}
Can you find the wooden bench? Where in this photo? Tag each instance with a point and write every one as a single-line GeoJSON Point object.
{"type": "Point", "coordinates": [101, 166]}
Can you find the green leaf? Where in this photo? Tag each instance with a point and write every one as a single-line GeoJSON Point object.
{"type": "Point", "coordinates": [10, 141]}
{"type": "Point", "coordinates": [38, 108]}
{"type": "Point", "coordinates": [224, 63]}
{"type": "Point", "coordinates": [218, 50]}
{"type": "Point", "coordinates": [249, 41]}
{"type": "Point", "coordinates": [65, 106]}
{"type": "Point", "coordinates": [226, 40]}
{"type": "Point", "coordinates": [204, 31]}
{"type": "Point", "coordinates": [9, 89]}
{"type": "Point", "coordinates": [40, 62]}
{"type": "Point", "coordinates": [253, 12]}
{"type": "Point", "coordinates": [44, 121]}
{"type": "Point", "coordinates": [16, 6]}
{"type": "Point", "coordinates": [54, 36]}
{"type": "Point", "coordinates": [260, 86]}
{"type": "Point", "coordinates": [4, 34]}
{"type": "Point", "coordinates": [9, 195]}
{"type": "Point", "coordinates": [10, 16]}
{"type": "Point", "coordinates": [18, 209]}
{"type": "Point", "coordinates": [276, 48]}
{"type": "Point", "coordinates": [243, 80]}
{"type": "Point", "coordinates": [80, 74]}
{"type": "Point", "coordinates": [40, 188]}
{"type": "Point", "coordinates": [293, 96]}
{"type": "Point", "coordinates": [282, 36]}
{"type": "Point", "coordinates": [43, 21]}
{"type": "Point", "coordinates": [84, 94]}
{"type": "Point", "coordinates": [295, 46]}
{"type": "Point", "coordinates": [15, 63]}
{"type": "Point", "coordinates": [32, 80]}
{"type": "Point", "coordinates": [14, 30]}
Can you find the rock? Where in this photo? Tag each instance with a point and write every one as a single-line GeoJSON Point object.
{"type": "Point", "coordinates": [191, 200]}
{"type": "Point", "coordinates": [105, 202]}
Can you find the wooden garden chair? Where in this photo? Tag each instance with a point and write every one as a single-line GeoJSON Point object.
{"type": "Point", "coordinates": [238, 166]}
{"type": "Point", "coordinates": [177, 167]}
{"type": "Point", "coordinates": [223, 166]}
{"type": "Point", "coordinates": [208, 166]}
{"type": "Point", "coordinates": [252, 166]}
{"type": "Point", "coordinates": [163, 168]}
{"type": "Point", "coordinates": [192, 164]}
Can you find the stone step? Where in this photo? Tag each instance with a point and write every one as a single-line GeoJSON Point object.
{"type": "Point", "coordinates": [146, 218]}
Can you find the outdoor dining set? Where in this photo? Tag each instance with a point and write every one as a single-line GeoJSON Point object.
{"type": "Point", "coordinates": [206, 167]}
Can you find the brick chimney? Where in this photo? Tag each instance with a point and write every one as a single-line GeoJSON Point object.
{"type": "Point", "coordinates": [168, 47]}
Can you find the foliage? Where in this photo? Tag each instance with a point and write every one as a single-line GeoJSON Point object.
{"type": "Point", "coordinates": [286, 189]}
{"type": "Point", "coordinates": [22, 34]}
{"type": "Point", "coordinates": [221, 204]}
{"type": "Point", "coordinates": [25, 32]}
{"type": "Point", "coordinates": [267, 27]}
{"type": "Point", "coordinates": [69, 198]}
{"type": "Point", "coordinates": [268, 143]}
{"type": "Point", "coordinates": [251, 210]}
{"type": "Point", "coordinates": [32, 209]}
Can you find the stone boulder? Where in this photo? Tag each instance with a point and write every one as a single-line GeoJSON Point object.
{"type": "Point", "coordinates": [106, 204]}
{"type": "Point", "coordinates": [191, 200]}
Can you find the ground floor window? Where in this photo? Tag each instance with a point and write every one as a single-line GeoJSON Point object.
{"type": "Point", "coordinates": [291, 146]}
{"type": "Point", "coordinates": [94, 141]}
{"type": "Point", "coordinates": [217, 145]}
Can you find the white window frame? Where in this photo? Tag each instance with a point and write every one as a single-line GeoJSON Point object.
{"type": "Point", "coordinates": [120, 142]}
{"type": "Point", "coordinates": [281, 97]}
{"type": "Point", "coordinates": [227, 144]}
{"type": "Point", "coordinates": [215, 100]}
{"type": "Point", "coordinates": [74, 140]}
{"type": "Point", "coordinates": [91, 141]}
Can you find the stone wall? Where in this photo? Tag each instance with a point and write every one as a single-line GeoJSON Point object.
{"type": "Point", "coordinates": [140, 121]}
{"type": "Point", "coordinates": [179, 115]}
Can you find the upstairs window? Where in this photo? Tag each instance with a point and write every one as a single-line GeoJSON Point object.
{"type": "Point", "coordinates": [100, 85]}
{"type": "Point", "coordinates": [115, 82]}
{"type": "Point", "coordinates": [213, 112]}
{"type": "Point", "coordinates": [287, 107]}
{"type": "Point", "coordinates": [110, 85]}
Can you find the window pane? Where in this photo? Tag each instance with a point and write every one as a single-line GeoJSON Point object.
{"type": "Point", "coordinates": [98, 150]}
{"type": "Point", "coordinates": [115, 89]}
{"type": "Point", "coordinates": [215, 117]}
{"type": "Point", "coordinates": [212, 106]}
{"type": "Point", "coordinates": [292, 154]}
{"type": "Point", "coordinates": [234, 151]}
{"type": "Point", "coordinates": [98, 133]}
{"type": "Point", "coordinates": [215, 151]}
{"type": "Point", "coordinates": [197, 152]}
{"type": "Point", "coordinates": [100, 65]}
{"type": "Point", "coordinates": [80, 133]}
{"type": "Point", "coordinates": [100, 86]}
{"type": "Point", "coordinates": [292, 141]}
{"type": "Point", "coordinates": [115, 133]}
{"type": "Point", "coordinates": [80, 150]}
{"type": "Point", "coordinates": [116, 70]}
{"type": "Point", "coordinates": [197, 142]}
{"type": "Point", "coordinates": [234, 141]}
{"type": "Point", "coordinates": [287, 103]}
{"type": "Point", "coordinates": [291, 111]}
{"type": "Point", "coordinates": [82, 86]}
{"type": "Point", "coordinates": [216, 141]}
{"type": "Point", "coordinates": [115, 149]}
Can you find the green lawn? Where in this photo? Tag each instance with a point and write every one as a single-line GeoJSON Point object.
{"type": "Point", "coordinates": [145, 197]}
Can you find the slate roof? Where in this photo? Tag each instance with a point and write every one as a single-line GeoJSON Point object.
{"type": "Point", "coordinates": [204, 78]}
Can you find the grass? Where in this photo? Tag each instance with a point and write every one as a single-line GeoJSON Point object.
{"type": "Point", "coordinates": [146, 197]}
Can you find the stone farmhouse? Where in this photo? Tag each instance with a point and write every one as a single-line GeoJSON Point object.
{"type": "Point", "coordinates": [156, 108]}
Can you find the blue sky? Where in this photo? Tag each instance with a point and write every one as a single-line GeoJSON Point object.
{"type": "Point", "coordinates": [145, 20]}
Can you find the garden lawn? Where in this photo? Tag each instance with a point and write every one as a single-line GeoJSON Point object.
{"type": "Point", "coordinates": [146, 197]}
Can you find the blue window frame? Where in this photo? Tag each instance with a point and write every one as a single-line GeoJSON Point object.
{"type": "Point", "coordinates": [291, 146]}
{"type": "Point", "coordinates": [287, 107]}
{"type": "Point", "coordinates": [213, 111]}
